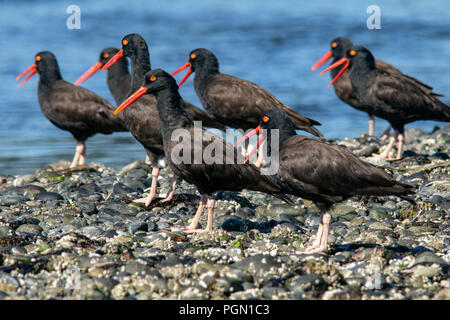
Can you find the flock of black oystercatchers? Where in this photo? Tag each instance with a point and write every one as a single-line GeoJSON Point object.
{"type": "Point", "coordinates": [309, 168]}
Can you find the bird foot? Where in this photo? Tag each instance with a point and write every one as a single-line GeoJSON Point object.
{"type": "Point", "coordinates": [315, 249]}
{"type": "Point", "coordinates": [168, 198]}
{"type": "Point", "coordinates": [194, 230]}
{"type": "Point", "coordinates": [384, 157]}
{"type": "Point", "coordinates": [147, 200]}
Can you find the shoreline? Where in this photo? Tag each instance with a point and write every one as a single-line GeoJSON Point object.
{"type": "Point", "coordinates": [75, 234]}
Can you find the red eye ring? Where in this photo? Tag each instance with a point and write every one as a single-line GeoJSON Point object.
{"type": "Point", "coordinates": [152, 78]}
{"type": "Point", "coordinates": [124, 42]}
{"type": "Point", "coordinates": [334, 45]}
{"type": "Point", "coordinates": [193, 56]}
{"type": "Point", "coordinates": [265, 119]}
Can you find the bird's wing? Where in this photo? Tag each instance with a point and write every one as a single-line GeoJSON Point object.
{"type": "Point", "coordinates": [247, 101]}
{"type": "Point", "coordinates": [403, 97]}
{"type": "Point", "coordinates": [82, 108]}
{"type": "Point", "coordinates": [321, 169]}
{"type": "Point", "coordinates": [391, 69]}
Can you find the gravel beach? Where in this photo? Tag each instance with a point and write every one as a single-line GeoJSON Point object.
{"type": "Point", "coordinates": [75, 234]}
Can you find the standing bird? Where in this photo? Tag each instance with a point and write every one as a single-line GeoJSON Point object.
{"type": "Point", "coordinates": [390, 96]}
{"type": "Point", "coordinates": [71, 108]}
{"type": "Point", "coordinates": [208, 176]}
{"type": "Point", "coordinates": [322, 172]}
{"type": "Point", "coordinates": [235, 102]}
{"type": "Point", "coordinates": [343, 87]}
{"type": "Point", "coordinates": [143, 119]}
{"type": "Point", "coordinates": [118, 78]}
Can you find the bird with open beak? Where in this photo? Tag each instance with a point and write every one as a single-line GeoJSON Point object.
{"type": "Point", "coordinates": [323, 172]}
{"type": "Point", "coordinates": [390, 96]}
{"type": "Point", "coordinates": [208, 177]}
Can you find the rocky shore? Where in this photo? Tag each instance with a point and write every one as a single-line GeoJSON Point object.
{"type": "Point", "coordinates": [75, 234]}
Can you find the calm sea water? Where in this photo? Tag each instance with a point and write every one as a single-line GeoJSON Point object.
{"type": "Point", "coordinates": [272, 43]}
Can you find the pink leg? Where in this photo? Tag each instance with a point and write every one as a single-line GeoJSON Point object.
{"type": "Point", "coordinates": [321, 241]}
{"type": "Point", "coordinates": [371, 125]}
{"type": "Point", "coordinates": [152, 196]}
{"type": "Point", "coordinates": [171, 191]}
{"type": "Point", "coordinates": [78, 152]}
{"type": "Point", "coordinates": [385, 154]}
{"type": "Point", "coordinates": [385, 134]}
{"type": "Point", "coordinates": [193, 226]}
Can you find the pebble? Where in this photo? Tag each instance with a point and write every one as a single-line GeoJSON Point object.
{"type": "Point", "coordinates": [82, 228]}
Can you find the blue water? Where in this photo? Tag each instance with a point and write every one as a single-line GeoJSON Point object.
{"type": "Point", "coordinates": [272, 43]}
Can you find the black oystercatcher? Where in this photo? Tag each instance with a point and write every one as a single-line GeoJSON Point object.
{"type": "Point", "coordinates": [71, 108]}
{"type": "Point", "coordinates": [224, 173]}
{"type": "Point", "coordinates": [342, 85]}
{"type": "Point", "coordinates": [323, 173]}
{"type": "Point", "coordinates": [235, 102]}
{"type": "Point", "coordinates": [391, 96]}
{"type": "Point", "coordinates": [118, 79]}
{"type": "Point", "coordinates": [143, 119]}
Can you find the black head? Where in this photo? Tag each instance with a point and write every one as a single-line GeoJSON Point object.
{"type": "Point", "coordinates": [278, 119]}
{"type": "Point", "coordinates": [339, 47]}
{"type": "Point", "coordinates": [107, 54]}
{"type": "Point", "coordinates": [201, 57]}
{"type": "Point", "coordinates": [358, 55]}
{"type": "Point", "coordinates": [132, 44]}
{"type": "Point", "coordinates": [157, 80]}
{"type": "Point", "coordinates": [46, 63]}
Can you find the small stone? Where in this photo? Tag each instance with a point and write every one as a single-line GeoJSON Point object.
{"type": "Point", "coordinates": [29, 229]}
{"type": "Point", "coordinates": [342, 210]}
{"type": "Point", "coordinates": [379, 214]}
{"type": "Point", "coordinates": [137, 226]}
{"type": "Point", "coordinates": [48, 196]}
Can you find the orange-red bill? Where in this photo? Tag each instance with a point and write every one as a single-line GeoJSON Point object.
{"type": "Point", "coordinates": [334, 65]}
{"type": "Point", "coordinates": [32, 68]}
{"type": "Point", "coordinates": [248, 135]}
{"type": "Point", "coordinates": [322, 60]}
{"type": "Point", "coordinates": [184, 66]}
{"type": "Point", "coordinates": [117, 57]}
{"type": "Point", "coordinates": [89, 73]}
{"type": "Point", "coordinates": [260, 140]}
{"type": "Point", "coordinates": [135, 96]}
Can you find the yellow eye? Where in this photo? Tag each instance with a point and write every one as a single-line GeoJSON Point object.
{"type": "Point", "coordinates": [352, 52]}
{"type": "Point", "coordinates": [265, 119]}
{"type": "Point", "coordinates": [152, 78]}
{"type": "Point", "coordinates": [193, 56]}
{"type": "Point", "coordinates": [38, 58]}
{"type": "Point", "coordinates": [106, 55]}
{"type": "Point", "coordinates": [124, 42]}
{"type": "Point", "coordinates": [333, 45]}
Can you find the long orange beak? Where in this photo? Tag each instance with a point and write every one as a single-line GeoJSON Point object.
{"type": "Point", "coordinates": [337, 64]}
{"type": "Point", "coordinates": [135, 96]}
{"type": "Point", "coordinates": [89, 73]}
{"type": "Point", "coordinates": [322, 60]}
{"type": "Point", "coordinates": [184, 66]}
{"type": "Point", "coordinates": [247, 136]}
{"type": "Point", "coordinates": [117, 57]}
{"type": "Point", "coordinates": [32, 68]}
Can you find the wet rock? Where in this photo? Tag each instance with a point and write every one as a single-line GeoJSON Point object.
{"type": "Point", "coordinates": [29, 229]}
{"type": "Point", "coordinates": [122, 189]}
{"type": "Point", "coordinates": [342, 210]}
{"type": "Point", "coordinates": [48, 196]}
{"type": "Point", "coordinates": [137, 226]}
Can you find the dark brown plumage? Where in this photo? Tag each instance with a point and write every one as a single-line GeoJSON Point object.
{"type": "Point", "coordinates": [143, 120]}
{"type": "Point", "coordinates": [323, 172]}
{"type": "Point", "coordinates": [236, 102]}
{"type": "Point", "coordinates": [208, 177]}
{"type": "Point", "coordinates": [343, 87]}
{"type": "Point", "coordinates": [72, 108]}
{"type": "Point", "coordinates": [391, 96]}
